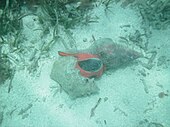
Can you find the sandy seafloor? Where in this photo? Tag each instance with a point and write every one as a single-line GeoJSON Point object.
{"type": "Point", "coordinates": [128, 98]}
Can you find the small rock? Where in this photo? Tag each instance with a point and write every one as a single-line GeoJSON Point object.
{"type": "Point", "coordinates": [105, 99]}
{"type": "Point", "coordinates": [162, 95]}
{"type": "Point", "coordinates": [161, 60]}
{"type": "Point", "coordinates": [85, 40]}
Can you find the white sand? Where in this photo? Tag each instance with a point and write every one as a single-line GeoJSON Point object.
{"type": "Point", "coordinates": [124, 101]}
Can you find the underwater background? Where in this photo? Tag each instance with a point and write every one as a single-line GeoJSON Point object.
{"type": "Point", "coordinates": [40, 87]}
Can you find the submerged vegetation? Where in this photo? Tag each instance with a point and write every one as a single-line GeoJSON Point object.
{"type": "Point", "coordinates": [5, 70]}
{"type": "Point", "coordinates": [10, 25]}
{"type": "Point", "coordinates": [9, 17]}
{"type": "Point", "coordinates": [65, 13]}
{"type": "Point", "coordinates": [55, 14]}
{"type": "Point", "coordinates": [155, 13]}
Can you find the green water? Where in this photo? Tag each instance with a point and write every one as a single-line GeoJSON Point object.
{"type": "Point", "coordinates": [115, 71]}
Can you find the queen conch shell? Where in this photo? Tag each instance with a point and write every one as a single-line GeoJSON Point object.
{"type": "Point", "coordinates": [112, 55]}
